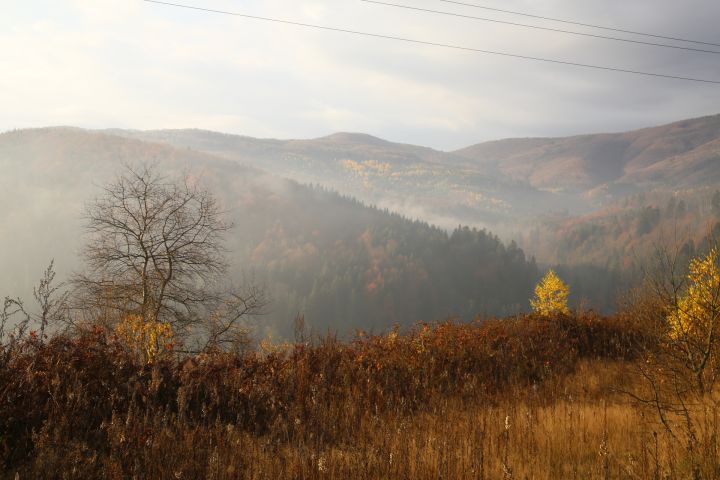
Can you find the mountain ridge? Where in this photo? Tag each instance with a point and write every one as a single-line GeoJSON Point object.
{"type": "Point", "coordinates": [492, 184]}
{"type": "Point", "coordinates": [355, 136]}
{"type": "Point", "coordinates": [597, 159]}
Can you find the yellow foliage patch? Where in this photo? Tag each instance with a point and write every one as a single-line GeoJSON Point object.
{"type": "Point", "coordinates": [699, 306]}
{"type": "Point", "coordinates": [148, 338]}
{"type": "Point", "coordinates": [550, 295]}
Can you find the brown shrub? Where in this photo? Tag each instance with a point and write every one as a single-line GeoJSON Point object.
{"type": "Point", "coordinates": [85, 405]}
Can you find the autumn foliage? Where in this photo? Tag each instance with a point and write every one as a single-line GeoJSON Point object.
{"type": "Point", "coordinates": [147, 338]}
{"type": "Point", "coordinates": [551, 296]}
{"type": "Point", "coordinates": [697, 310]}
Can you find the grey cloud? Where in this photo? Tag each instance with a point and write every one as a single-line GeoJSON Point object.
{"type": "Point", "coordinates": [148, 66]}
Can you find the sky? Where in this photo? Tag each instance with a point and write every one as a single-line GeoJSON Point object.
{"type": "Point", "coordinates": [134, 64]}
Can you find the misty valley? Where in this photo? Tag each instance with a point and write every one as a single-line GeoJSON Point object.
{"type": "Point", "coordinates": [356, 233]}
{"type": "Point", "coordinates": [359, 240]}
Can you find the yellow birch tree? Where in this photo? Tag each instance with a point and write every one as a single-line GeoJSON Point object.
{"type": "Point", "coordinates": [697, 311]}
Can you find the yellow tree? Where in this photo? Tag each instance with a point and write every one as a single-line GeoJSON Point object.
{"type": "Point", "coordinates": [694, 318]}
{"type": "Point", "coordinates": [550, 295]}
{"type": "Point", "coordinates": [697, 309]}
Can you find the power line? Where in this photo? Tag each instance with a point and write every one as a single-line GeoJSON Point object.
{"type": "Point", "coordinates": [537, 27]}
{"type": "Point", "coordinates": [436, 44]}
{"type": "Point", "coordinates": [571, 22]}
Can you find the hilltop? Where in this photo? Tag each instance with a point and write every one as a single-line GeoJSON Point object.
{"type": "Point", "coordinates": [683, 154]}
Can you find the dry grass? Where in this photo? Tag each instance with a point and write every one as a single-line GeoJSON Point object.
{"type": "Point", "coordinates": [519, 398]}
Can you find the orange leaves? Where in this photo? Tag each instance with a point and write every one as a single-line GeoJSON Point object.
{"type": "Point", "coordinates": [450, 357]}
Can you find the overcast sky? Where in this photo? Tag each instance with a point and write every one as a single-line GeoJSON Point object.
{"type": "Point", "coordinates": [133, 64]}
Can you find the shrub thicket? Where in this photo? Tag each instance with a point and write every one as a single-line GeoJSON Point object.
{"type": "Point", "coordinates": [86, 406]}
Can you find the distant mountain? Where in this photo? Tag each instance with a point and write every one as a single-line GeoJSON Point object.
{"type": "Point", "coordinates": [416, 181]}
{"type": "Point", "coordinates": [342, 264]}
{"type": "Point", "coordinates": [500, 184]}
{"type": "Point", "coordinates": [679, 155]}
{"type": "Point", "coordinates": [649, 187]}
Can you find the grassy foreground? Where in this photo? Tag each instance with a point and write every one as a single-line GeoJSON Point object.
{"type": "Point", "coordinates": [525, 397]}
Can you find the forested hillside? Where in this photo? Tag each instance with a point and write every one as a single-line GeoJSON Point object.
{"type": "Point", "coordinates": [365, 268]}
{"type": "Point", "coordinates": [593, 206]}
{"type": "Point", "coordinates": [626, 233]}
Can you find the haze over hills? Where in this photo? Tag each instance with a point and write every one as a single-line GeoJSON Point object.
{"type": "Point", "coordinates": [650, 187]}
{"type": "Point", "coordinates": [48, 175]}
{"type": "Point", "coordinates": [495, 184]}
{"type": "Point", "coordinates": [587, 205]}
{"type": "Point", "coordinates": [342, 264]}
{"type": "Point", "coordinates": [417, 181]}
{"type": "Point", "coordinates": [577, 201]}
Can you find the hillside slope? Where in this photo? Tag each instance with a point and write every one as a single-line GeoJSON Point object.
{"type": "Point", "coordinates": [625, 235]}
{"type": "Point", "coordinates": [417, 181]}
{"type": "Point", "coordinates": [685, 153]}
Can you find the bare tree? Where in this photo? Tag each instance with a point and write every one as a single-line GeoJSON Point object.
{"type": "Point", "coordinates": [155, 250]}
